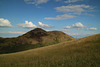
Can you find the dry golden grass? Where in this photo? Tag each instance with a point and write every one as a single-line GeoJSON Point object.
{"type": "Point", "coordinates": [82, 52]}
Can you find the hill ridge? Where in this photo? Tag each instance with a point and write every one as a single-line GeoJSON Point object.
{"type": "Point", "coordinates": [32, 39]}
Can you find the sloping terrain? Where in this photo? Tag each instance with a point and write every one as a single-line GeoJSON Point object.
{"type": "Point", "coordinates": [84, 52]}
{"type": "Point", "coordinates": [32, 39]}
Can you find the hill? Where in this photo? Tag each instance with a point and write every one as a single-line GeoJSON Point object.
{"type": "Point", "coordinates": [84, 52]}
{"type": "Point", "coordinates": [32, 39]}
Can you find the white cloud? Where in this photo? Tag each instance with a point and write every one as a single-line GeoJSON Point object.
{"type": "Point", "coordinates": [64, 29]}
{"type": "Point", "coordinates": [13, 32]}
{"type": "Point", "coordinates": [68, 27]}
{"type": "Point", "coordinates": [4, 23]}
{"type": "Point", "coordinates": [80, 33]}
{"type": "Point", "coordinates": [47, 30]}
{"type": "Point", "coordinates": [73, 33]}
{"type": "Point", "coordinates": [72, 1]}
{"type": "Point", "coordinates": [44, 25]}
{"type": "Point", "coordinates": [77, 25]}
{"type": "Point", "coordinates": [27, 25]}
{"type": "Point", "coordinates": [36, 2]}
{"type": "Point", "coordinates": [60, 17]}
{"type": "Point", "coordinates": [74, 9]}
{"type": "Point", "coordinates": [92, 28]}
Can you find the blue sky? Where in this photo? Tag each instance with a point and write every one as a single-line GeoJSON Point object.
{"type": "Point", "coordinates": [78, 18]}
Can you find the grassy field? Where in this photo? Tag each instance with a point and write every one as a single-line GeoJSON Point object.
{"type": "Point", "coordinates": [84, 52]}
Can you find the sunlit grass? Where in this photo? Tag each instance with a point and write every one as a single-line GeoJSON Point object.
{"type": "Point", "coordinates": [84, 52]}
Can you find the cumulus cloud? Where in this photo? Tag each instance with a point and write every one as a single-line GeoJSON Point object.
{"type": "Point", "coordinates": [27, 25]}
{"type": "Point", "coordinates": [72, 1]}
{"type": "Point", "coordinates": [74, 9]}
{"type": "Point", "coordinates": [36, 2]}
{"type": "Point", "coordinates": [77, 25]}
{"type": "Point", "coordinates": [44, 25]}
{"type": "Point", "coordinates": [60, 17]}
{"type": "Point", "coordinates": [4, 23]}
{"type": "Point", "coordinates": [92, 28]}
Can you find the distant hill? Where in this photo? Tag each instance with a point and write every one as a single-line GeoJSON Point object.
{"type": "Point", "coordinates": [84, 52]}
{"type": "Point", "coordinates": [32, 39]}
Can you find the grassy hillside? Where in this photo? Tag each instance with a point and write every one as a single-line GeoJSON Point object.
{"type": "Point", "coordinates": [33, 39]}
{"type": "Point", "coordinates": [84, 52]}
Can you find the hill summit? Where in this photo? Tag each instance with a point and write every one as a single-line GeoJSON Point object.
{"type": "Point", "coordinates": [37, 32]}
{"type": "Point", "coordinates": [40, 36]}
{"type": "Point", "coordinates": [32, 39]}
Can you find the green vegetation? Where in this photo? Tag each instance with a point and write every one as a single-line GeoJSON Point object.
{"type": "Point", "coordinates": [5, 48]}
{"type": "Point", "coordinates": [17, 47]}
{"type": "Point", "coordinates": [84, 52]}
